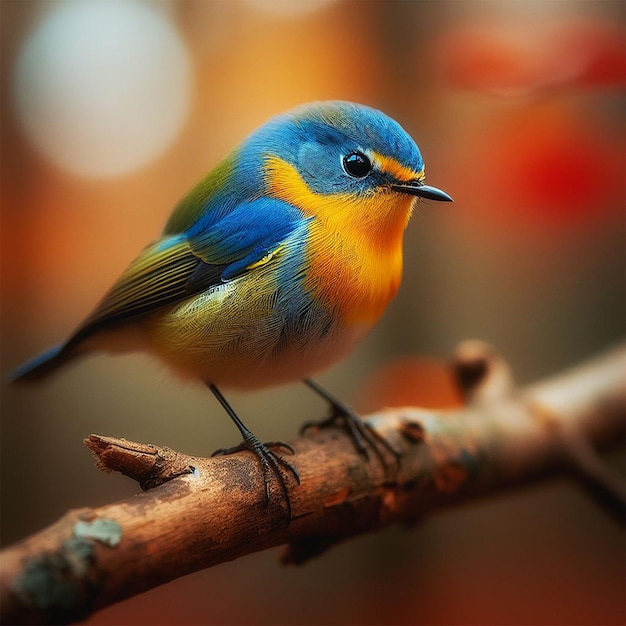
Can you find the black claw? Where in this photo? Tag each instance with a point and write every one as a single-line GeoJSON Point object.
{"type": "Point", "coordinates": [271, 463]}
{"type": "Point", "coordinates": [363, 434]}
{"type": "Point", "coordinates": [281, 460]}
{"type": "Point", "coordinates": [329, 421]}
{"type": "Point", "coordinates": [280, 444]}
{"type": "Point", "coordinates": [225, 451]}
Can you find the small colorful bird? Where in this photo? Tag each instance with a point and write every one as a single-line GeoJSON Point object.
{"type": "Point", "coordinates": [273, 267]}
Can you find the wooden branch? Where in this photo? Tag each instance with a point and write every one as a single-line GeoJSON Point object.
{"type": "Point", "coordinates": [198, 512]}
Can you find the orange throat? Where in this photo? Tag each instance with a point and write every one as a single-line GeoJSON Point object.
{"type": "Point", "coordinates": [354, 252]}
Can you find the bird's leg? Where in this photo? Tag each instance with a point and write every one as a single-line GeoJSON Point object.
{"type": "Point", "coordinates": [362, 433]}
{"type": "Point", "coordinates": [271, 462]}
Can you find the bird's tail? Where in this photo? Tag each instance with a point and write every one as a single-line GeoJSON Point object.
{"type": "Point", "coordinates": [42, 365]}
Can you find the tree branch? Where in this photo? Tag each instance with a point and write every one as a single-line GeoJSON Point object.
{"type": "Point", "coordinates": [198, 512]}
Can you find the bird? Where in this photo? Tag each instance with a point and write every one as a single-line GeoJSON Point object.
{"type": "Point", "coordinates": [273, 267]}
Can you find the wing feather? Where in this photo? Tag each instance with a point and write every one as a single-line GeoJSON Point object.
{"type": "Point", "coordinates": [180, 266]}
{"type": "Point", "coordinates": [157, 277]}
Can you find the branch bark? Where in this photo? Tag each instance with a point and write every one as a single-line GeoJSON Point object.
{"type": "Point", "coordinates": [199, 512]}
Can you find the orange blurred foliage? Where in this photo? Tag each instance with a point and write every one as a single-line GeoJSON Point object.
{"type": "Point", "coordinates": [410, 381]}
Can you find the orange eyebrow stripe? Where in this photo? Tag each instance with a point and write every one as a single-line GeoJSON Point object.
{"type": "Point", "coordinates": [396, 169]}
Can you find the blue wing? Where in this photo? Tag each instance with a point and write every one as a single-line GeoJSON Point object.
{"type": "Point", "coordinates": [180, 266]}
{"type": "Point", "coordinates": [251, 232]}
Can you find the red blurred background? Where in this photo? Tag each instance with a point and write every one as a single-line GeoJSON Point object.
{"type": "Point", "coordinates": [518, 108]}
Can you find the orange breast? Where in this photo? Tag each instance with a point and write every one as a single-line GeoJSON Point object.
{"type": "Point", "coordinates": [351, 275]}
{"type": "Point", "coordinates": [355, 244]}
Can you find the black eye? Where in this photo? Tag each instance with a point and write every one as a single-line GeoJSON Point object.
{"type": "Point", "coordinates": [357, 165]}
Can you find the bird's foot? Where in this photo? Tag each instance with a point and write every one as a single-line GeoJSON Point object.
{"type": "Point", "coordinates": [364, 435]}
{"type": "Point", "coordinates": [272, 464]}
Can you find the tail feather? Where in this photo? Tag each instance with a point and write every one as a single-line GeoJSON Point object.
{"type": "Point", "coordinates": [42, 365]}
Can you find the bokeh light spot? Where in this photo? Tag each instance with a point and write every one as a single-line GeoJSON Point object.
{"type": "Point", "coordinates": [102, 87]}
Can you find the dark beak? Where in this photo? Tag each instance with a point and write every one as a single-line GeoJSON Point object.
{"type": "Point", "coordinates": [423, 191]}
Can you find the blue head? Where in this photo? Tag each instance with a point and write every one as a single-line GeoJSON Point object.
{"type": "Point", "coordinates": [337, 149]}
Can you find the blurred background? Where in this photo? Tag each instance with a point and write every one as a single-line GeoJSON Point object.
{"type": "Point", "coordinates": [110, 111]}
